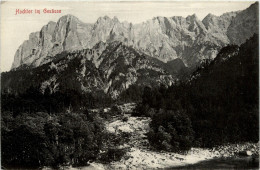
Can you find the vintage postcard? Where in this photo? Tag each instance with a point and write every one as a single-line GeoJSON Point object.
{"type": "Point", "coordinates": [129, 85]}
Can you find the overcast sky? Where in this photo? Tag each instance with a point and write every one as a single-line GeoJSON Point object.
{"type": "Point", "coordinates": [15, 29]}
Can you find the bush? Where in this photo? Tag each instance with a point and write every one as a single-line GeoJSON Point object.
{"type": "Point", "coordinates": [110, 150]}
{"type": "Point", "coordinates": [112, 154]}
{"type": "Point", "coordinates": [125, 119]}
{"type": "Point", "coordinates": [171, 131]}
{"type": "Point", "coordinates": [114, 110]}
{"type": "Point", "coordinates": [143, 111]}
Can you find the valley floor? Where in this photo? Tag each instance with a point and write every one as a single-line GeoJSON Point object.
{"type": "Point", "coordinates": [141, 156]}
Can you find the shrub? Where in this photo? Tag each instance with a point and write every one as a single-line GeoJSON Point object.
{"type": "Point", "coordinates": [112, 154]}
{"type": "Point", "coordinates": [142, 111]}
{"type": "Point", "coordinates": [114, 110]}
{"type": "Point", "coordinates": [171, 131]}
{"type": "Point", "coordinates": [125, 119]}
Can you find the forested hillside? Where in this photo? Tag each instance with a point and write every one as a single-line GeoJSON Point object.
{"type": "Point", "coordinates": [217, 105]}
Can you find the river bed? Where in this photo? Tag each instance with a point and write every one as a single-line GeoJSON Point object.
{"type": "Point", "coordinates": [250, 162]}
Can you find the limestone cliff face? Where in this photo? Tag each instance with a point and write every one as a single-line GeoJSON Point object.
{"type": "Point", "coordinates": [33, 51]}
{"type": "Point", "coordinates": [164, 38]}
{"type": "Point", "coordinates": [244, 25]}
{"type": "Point", "coordinates": [217, 26]}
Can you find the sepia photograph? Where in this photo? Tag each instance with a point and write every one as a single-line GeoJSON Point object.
{"type": "Point", "coordinates": [129, 85]}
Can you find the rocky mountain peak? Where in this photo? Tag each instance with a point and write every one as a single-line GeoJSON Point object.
{"type": "Point", "coordinates": [68, 21]}
{"type": "Point", "coordinates": [104, 24]}
{"type": "Point", "coordinates": [209, 18]}
{"type": "Point", "coordinates": [254, 6]}
{"type": "Point", "coordinates": [48, 29]}
{"type": "Point", "coordinates": [192, 17]}
{"type": "Point", "coordinates": [115, 19]}
{"type": "Point", "coordinates": [103, 19]}
{"type": "Point", "coordinates": [195, 25]}
{"type": "Point", "coordinates": [68, 17]}
{"type": "Point", "coordinates": [244, 25]}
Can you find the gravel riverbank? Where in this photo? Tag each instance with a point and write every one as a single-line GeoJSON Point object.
{"type": "Point", "coordinates": [140, 156]}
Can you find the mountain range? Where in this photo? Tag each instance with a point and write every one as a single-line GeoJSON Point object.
{"type": "Point", "coordinates": [164, 38]}
{"type": "Point", "coordinates": [109, 56]}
